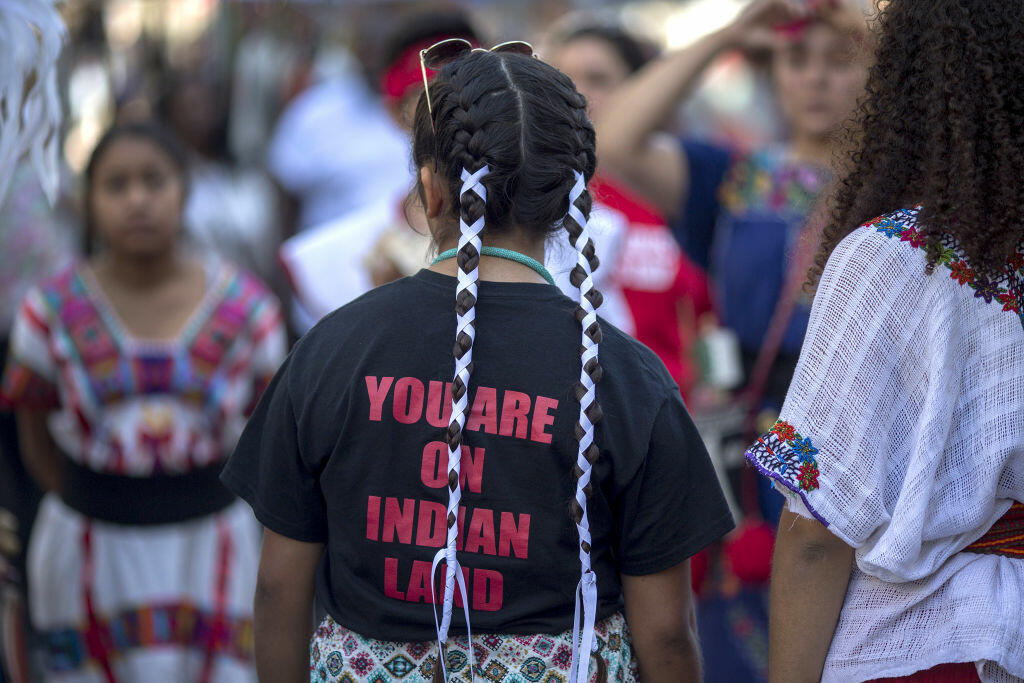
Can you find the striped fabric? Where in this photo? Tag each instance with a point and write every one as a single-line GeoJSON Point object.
{"type": "Point", "coordinates": [180, 624]}
{"type": "Point", "coordinates": [164, 602]}
{"type": "Point", "coordinates": [1006, 537]}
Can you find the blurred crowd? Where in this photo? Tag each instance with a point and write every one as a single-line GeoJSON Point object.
{"type": "Point", "coordinates": [294, 120]}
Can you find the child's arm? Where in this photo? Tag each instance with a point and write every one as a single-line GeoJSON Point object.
{"type": "Point", "coordinates": [38, 451]}
{"type": "Point", "coordinates": [661, 618]}
{"type": "Point", "coordinates": [284, 608]}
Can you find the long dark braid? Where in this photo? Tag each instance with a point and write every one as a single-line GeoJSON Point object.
{"type": "Point", "coordinates": [585, 391]}
{"type": "Point", "coordinates": [467, 147]}
{"type": "Point", "coordinates": [511, 136]}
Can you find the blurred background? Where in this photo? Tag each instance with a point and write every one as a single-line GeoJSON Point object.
{"type": "Point", "coordinates": [243, 61]}
{"type": "Point", "coordinates": [293, 117]}
{"type": "Point", "coordinates": [225, 73]}
{"type": "Point", "coordinates": [282, 108]}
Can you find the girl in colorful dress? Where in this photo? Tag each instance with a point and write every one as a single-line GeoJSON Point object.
{"type": "Point", "coordinates": [901, 441]}
{"type": "Point", "coordinates": [483, 496]}
{"type": "Point", "coordinates": [131, 373]}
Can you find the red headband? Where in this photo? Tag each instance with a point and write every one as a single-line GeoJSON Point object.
{"type": "Point", "coordinates": [794, 29]}
{"type": "Point", "coordinates": [403, 74]}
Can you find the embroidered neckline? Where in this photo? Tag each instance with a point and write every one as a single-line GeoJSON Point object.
{"type": "Point", "coordinates": [1008, 290]}
{"type": "Point", "coordinates": [770, 180]}
{"type": "Point", "coordinates": [218, 278]}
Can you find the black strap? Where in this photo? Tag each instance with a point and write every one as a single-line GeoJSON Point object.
{"type": "Point", "coordinates": [143, 501]}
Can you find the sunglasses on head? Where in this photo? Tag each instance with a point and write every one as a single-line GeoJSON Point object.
{"type": "Point", "coordinates": [450, 49]}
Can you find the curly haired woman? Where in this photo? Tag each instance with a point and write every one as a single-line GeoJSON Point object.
{"type": "Point", "coordinates": [901, 442]}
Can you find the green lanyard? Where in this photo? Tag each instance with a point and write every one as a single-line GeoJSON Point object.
{"type": "Point", "coordinates": [508, 254]}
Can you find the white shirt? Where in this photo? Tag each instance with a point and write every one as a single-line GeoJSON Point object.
{"type": "Point", "coordinates": [338, 151]}
{"type": "Point", "coordinates": [232, 212]}
{"type": "Point", "coordinates": [608, 230]}
{"type": "Point", "coordinates": [327, 264]}
{"type": "Point", "coordinates": [907, 409]}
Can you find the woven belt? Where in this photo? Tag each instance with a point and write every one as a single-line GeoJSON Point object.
{"type": "Point", "coordinates": [1006, 537]}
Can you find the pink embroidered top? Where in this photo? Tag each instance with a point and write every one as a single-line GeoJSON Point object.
{"type": "Point", "coordinates": [123, 405]}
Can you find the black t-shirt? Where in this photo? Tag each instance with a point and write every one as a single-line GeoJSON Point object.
{"type": "Point", "coordinates": [347, 448]}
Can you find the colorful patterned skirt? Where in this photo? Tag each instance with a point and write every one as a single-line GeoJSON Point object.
{"type": "Point", "coordinates": [340, 655]}
{"type": "Point", "coordinates": [167, 603]}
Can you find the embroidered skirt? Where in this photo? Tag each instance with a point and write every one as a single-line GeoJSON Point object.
{"type": "Point", "coordinates": [168, 603]}
{"type": "Point", "coordinates": [339, 655]}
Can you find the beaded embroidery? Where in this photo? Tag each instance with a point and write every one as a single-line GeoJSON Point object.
{"type": "Point", "coordinates": [770, 181]}
{"type": "Point", "coordinates": [1008, 290]}
{"type": "Point", "coordinates": [787, 456]}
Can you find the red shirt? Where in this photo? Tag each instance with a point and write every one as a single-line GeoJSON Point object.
{"type": "Point", "coordinates": [666, 292]}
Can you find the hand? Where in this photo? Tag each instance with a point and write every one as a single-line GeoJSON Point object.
{"type": "Point", "coordinates": [760, 15]}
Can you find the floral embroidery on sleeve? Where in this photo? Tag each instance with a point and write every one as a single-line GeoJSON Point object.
{"type": "Point", "coordinates": [786, 456]}
{"type": "Point", "coordinates": [1007, 291]}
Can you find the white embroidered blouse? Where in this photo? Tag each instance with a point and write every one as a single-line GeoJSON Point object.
{"type": "Point", "coordinates": [903, 433]}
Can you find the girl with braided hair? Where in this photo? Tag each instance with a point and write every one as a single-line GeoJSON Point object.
{"type": "Point", "coordinates": [537, 490]}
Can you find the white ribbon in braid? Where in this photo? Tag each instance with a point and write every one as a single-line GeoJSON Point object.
{"type": "Point", "coordinates": [465, 323]}
{"type": "Point", "coordinates": [586, 592]}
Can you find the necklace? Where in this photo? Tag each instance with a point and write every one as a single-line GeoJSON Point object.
{"type": "Point", "coordinates": [506, 254]}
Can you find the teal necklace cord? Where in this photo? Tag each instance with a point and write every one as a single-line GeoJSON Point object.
{"type": "Point", "coordinates": [506, 254]}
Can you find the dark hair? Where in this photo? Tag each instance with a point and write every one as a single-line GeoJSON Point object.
{"type": "Point", "coordinates": [942, 125]}
{"type": "Point", "coordinates": [516, 147]}
{"type": "Point", "coordinates": [521, 117]}
{"type": "Point", "coordinates": [144, 130]}
{"type": "Point", "coordinates": [215, 144]}
{"type": "Point", "coordinates": [633, 52]}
